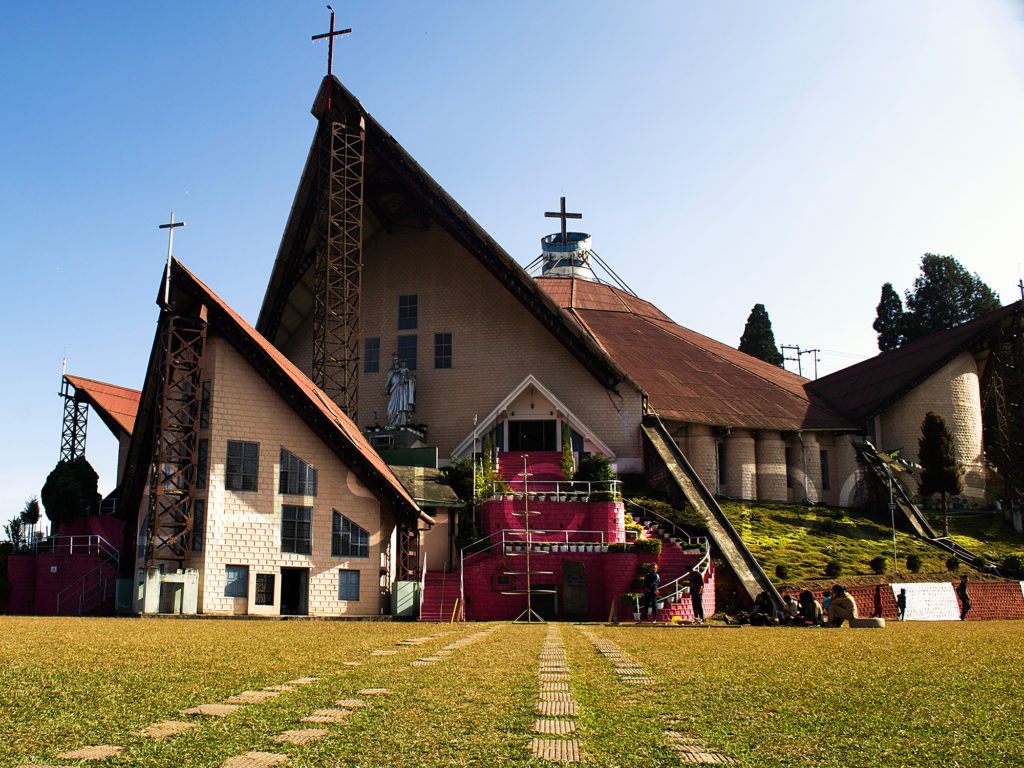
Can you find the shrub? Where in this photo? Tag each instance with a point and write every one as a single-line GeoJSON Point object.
{"type": "Point", "coordinates": [595, 467]}
{"type": "Point", "coordinates": [70, 491]}
{"type": "Point", "coordinates": [646, 568]}
{"type": "Point", "coordinates": [878, 564]}
{"type": "Point", "coordinates": [828, 525]}
{"type": "Point", "coordinates": [953, 564]}
{"type": "Point", "coordinates": [782, 571]}
{"type": "Point", "coordinates": [647, 546]}
{"type": "Point", "coordinates": [1013, 565]}
{"type": "Point", "coordinates": [620, 546]}
{"type": "Point", "coordinates": [833, 569]}
{"type": "Point", "coordinates": [459, 475]}
{"type": "Point", "coordinates": [687, 519]}
{"type": "Point", "coordinates": [914, 563]}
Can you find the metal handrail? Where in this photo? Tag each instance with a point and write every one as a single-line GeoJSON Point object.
{"type": "Point", "coordinates": [88, 542]}
{"type": "Point", "coordinates": [81, 586]}
{"type": "Point", "coordinates": [561, 487]}
{"type": "Point", "coordinates": [682, 533]}
{"type": "Point", "coordinates": [423, 582]}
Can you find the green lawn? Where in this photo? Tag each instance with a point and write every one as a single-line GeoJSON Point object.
{"type": "Point", "coordinates": [911, 695]}
{"type": "Point", "coordinates": [805, 539]}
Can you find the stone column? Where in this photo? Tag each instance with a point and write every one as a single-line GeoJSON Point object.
{"type": "Point", "coordinates": [846, 475]}
{"type": "Point", "coordinates": [703, 454]}
{"type": "Point", "coordinates": [740, 465]}
{"type": "Point", "coordinates": [795, 487]}
{"type": "Point", "coordinates": [812, 449]}
{"type": "Point", "coordinates": [770, 450]}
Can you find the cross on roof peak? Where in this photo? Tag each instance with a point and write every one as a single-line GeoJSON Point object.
{"type": "Point", "coordinates": [170, 227]}
{"type": "Point", "coordinates": [561, 214]}
{"type": "Point", "coordinates": [330, 35]}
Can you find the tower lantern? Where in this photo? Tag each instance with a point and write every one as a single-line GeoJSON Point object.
{"type": "Point", "coordinates": [566, 254]}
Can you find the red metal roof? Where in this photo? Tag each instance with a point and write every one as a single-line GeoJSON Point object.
{"type": "Point", "coordinates": [687, 376]}
{"type": "Point", "coordinates": [116, 406]}
{"type": "Point", "coordinates": [864, 389]}
{"type": "Point", "coordinates": [313, 395]}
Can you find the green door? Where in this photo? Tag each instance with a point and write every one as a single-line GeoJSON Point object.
{"type": "Point", "coordinates": [574, 589]}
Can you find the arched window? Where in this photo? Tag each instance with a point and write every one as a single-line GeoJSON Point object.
{"type": "Point", "coordinates": [347, 538]}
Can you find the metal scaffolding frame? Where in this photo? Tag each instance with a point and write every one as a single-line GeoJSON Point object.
{"type": "Point", "coordinates": [175, 447]}
{"type": "Point", "coordinates": [76, 422]}
{"type": "Point", "coordinates": [339, 262]}
{"type": "Point", "coordinates": [408, 551]}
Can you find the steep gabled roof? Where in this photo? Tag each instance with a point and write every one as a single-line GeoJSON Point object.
{"type": "Point", "coordinates": [306, 399]}
{"type": "Point", "coordinates": [397, 190]}
{"type": "Point", "coordinates": [865, 389]}
{"type": "Point", "coordinates": [687, 376]}
{"type": "Point", "coordinates": [115, 405]}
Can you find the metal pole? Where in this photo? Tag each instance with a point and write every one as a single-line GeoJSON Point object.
{"type": "Point", "coordinates": [892, 517]}
{"type": "Point", "coordinates": [526, 509]}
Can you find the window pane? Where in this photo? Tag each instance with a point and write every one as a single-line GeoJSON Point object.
{"type": "Point", "coordinates": [243, 466]}
{"type": "Point", "coordinates": [371, 355]}
{"type": "Point", "coordinates": [408, 312]}
{"type": "Point", "coordinates": [237, 583]}
{"type": "Point", "coordinates": [264, 589]}
{"type": "Point", "coordinates": [296, 529]}
{"type": "Point", "coordinates": [407, 351]}
{"type": "Point", "coordinates": [202, 461]}
{"type": "Point", "coordinates": [204, 405]}
{"type": "Point", "coordinates": [296, 476]}
{"type": "Point", "coordinates": [198, 524]}
{"type": "Point", "coordinates": [347, 538]}
{"type": "Point", "coordinates": [825, 482]}
{"type": "Point", "coordinates": [348, 585]}
{"type": "Point", "coordinates": [442, 350]}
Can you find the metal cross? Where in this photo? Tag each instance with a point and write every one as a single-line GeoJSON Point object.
{"type": "Point", "coordinates": [330, 40]}
{"type": "Point", "coordinates": [170, 227]}
{"type": "Point", "coordinates": [561, 214]}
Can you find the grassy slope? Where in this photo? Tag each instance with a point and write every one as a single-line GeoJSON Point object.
{"type": "Point", "coordinates": [800, 538]}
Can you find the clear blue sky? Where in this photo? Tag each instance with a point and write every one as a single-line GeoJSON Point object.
{"type": "Point", "coordinates": [797, 154]}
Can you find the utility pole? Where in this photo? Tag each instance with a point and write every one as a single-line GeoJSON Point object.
{"type": "Point", "coordinates": [799, 357]}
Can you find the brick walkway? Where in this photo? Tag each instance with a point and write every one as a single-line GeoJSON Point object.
{"type": "Point", "coordinates": [555, 704]}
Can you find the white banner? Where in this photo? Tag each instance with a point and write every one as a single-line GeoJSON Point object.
{"type": "Point", "coordinates": [930, 602]}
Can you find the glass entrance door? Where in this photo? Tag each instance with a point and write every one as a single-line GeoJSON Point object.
{"type": "Point", "coordinates": [534, 435]}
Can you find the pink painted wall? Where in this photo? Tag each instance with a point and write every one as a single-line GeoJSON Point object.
{"type": "Point", "coordinates": [606, 517]}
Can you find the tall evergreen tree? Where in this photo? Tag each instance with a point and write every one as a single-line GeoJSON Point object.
{"type": "Point", "coordinates": [889, 319]}
{"type": "Point", "coordinates": [940, 471]}
{"type": "Point", "coordinates": [944, 296]}
{"type": "Point", "coordinates": [758, 339]}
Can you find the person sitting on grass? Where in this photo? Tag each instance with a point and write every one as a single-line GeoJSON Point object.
{"type": "Point", "coordinates": [826, 601]}
{"type": "Point", "coordinates": [842, 607]}
{"type": "Point", "coordinates": [810, 610]}
{"type": "Point", "coordinates": [652, 580]}
{"type": "Point", "coordinates": [761, 611]}
{"type": "Point", "coordinates": [790, 610]}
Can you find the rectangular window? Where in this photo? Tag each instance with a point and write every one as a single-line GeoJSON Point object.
{"type": "Point", "coordinates": [442, 350]}
{"type": "Point", "coordinates": [825, 482]}
{"type": "Point", "coordinates": [408, 312]}
{"type": "Point", "coordinates": [297, 477]}
{"type": "Point", "coordinates": [407, 351]}
{"type": "Point", "coordinates": [202, 462]}
{"type": "Point", "coordinates": [789, 467]}
{"type": "Point", "coordinates": [204, 404]}
{"type": "Point", "coordinates": [198, 524]}
{"type": "Point", "coordinates": [721, 463]}
{"type": "Point", "coordinates": [296, 529]}
{"type": "Point", "coordinates": [348, 585]}
{"type": "Point", "coordinates": [347, 538]}
{"type": "Point", "coordinates": [371, 355]}
{"type": "Point", "coordinates": [264, 589]}
{"type": "Point", "coordinates": [237, 584]}
{"type": "Point", "coordinates": [243, 466]}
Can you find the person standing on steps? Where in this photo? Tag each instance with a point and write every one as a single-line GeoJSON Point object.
{"type": "Point", "coordinates": [652, 580]}
{"type": "Point", "coordinates": [697, 594]}
{"type": "Point", "coordinates": [965, 598]}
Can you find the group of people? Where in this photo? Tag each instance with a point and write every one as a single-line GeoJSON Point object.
{"type": "Point", "coordinates": [835, 607]}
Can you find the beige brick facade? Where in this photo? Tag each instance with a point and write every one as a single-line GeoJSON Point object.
{"type": "Point", "coordinates": [954, 393]}
{"type": "Point", "coordinates": [496, 343]}
{"type": "Point", "coordinates": [770, 450]}
{"type": "Point", "coordinates": [244, 528]}
{"type": "Point", "coordinates": [740, 465]}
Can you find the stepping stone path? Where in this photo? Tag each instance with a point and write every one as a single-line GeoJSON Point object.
{"type": "Point", "coordinates": [166, 728]}
{"type": "Point", "coordinates": [555, 702]}
{"type": "Point", "coordinates": [100, 752]}
{"type": "Point", "coordinates": [301, 736]}
{"type": "Point", "coordinates": [212, 710]}
{"type": "Point", "coordinates": [351, 703]}
{"type": "Point", "coordinates": [328, 716]}
{"type": "Point", "coordinates": [281, 688]}
{"type": "Point", "coordinates": [629, 670]}
{"type": "Point", "coordinates": [251, 697]}
{"type": "Point", "coordinates": [448, 650]}
{"type": "Point", "coordinates": [690, 750]}
{"type": "Point", "coordinates": [302, 681]}
{"type": "Point", "coordinates": [255, 760]}
{"type": "Point", "coordinates": [374, 691]}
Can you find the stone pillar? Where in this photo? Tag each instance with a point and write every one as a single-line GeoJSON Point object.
{"type": "Point", "coordinates": [703, 454]}
{"type": "Point", "coordinates": [795, 486]}
{"type": "Point", "coordinates": [151, 591]}
{"type": "Point", "coordinates": [846, 475]}
{"type": "Point", "coordinates": [740, 465]}
{"type": "Point", "coordinates": [812, 449]}
{"type": "Point", "coordinates": [770, 450]}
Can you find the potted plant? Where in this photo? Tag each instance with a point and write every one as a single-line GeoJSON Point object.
{"type": "Point", "coordinates": [632, 602]}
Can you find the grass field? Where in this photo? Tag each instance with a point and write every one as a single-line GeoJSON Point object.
{"type": "Point", "coordinates": [911, 695]}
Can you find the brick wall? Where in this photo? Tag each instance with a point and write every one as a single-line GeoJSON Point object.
{"type": "Point", "coordinates": [604, 517]}
{"type": "Point", "coordinates": [496, 342]}
{"type": "Point", "coordinates": [245, 528]}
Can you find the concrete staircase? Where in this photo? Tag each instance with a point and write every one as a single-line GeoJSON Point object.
{"type": "Point", "coordinates": [543, 466]}
{"type": "Point", "coordinates": [440, 594]}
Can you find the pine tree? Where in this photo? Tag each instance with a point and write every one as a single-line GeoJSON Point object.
{"type": "Point", "coordinates": [889, 319]}
{"type": "Point", "coordinates": [940, 471]}
{"type": "Point", "coordinates": [944, 296]}
{"type": "Point", "coordinates": [758, 339]}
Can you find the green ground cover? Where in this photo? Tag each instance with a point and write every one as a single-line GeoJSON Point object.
{"type": "Point", "coordinates": [911, 695]}
{"type": "Point", "coordinates": [805, 539]}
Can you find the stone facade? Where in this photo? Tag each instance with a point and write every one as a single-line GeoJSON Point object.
{"type": "Point", "coordinates": [496, 343]}
{"type": "Point", "coordinates": [244, 528]}
{"type": "Point", "coordinates": [740, 465]}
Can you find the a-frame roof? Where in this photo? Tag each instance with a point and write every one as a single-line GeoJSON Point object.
{"type": "Point", "coordinates": [399, 193]}
{"type": "Point", "coordinates": [325, 418]}
{"type": "Point", "coordinates": [115, 405]}
{"type": "Point", "coordinates": [865, 389]}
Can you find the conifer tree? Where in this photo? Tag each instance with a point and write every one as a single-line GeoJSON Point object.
{"type": "Point", "coordinates": [944, 296]}
{"type": "Point", "coordinates": [889, 319]}
{"type": "Point", "coordinates": [758, 339]}
{"type": "Point", "coordinates": [940, 471]}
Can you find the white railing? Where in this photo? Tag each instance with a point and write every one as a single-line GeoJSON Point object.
{"type": "Point", "coordinates": [84, 544]}
{"type": "Point", "coordinates": [423, 581]}
{"type": "Point", "coordinates": [556, 490]}
{"type": "Point", "coordinates": [87, 591]}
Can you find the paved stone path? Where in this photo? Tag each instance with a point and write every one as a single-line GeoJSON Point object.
{"type": "Point", "coordinates": [555, 704]}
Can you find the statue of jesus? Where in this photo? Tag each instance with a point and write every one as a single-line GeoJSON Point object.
{"type": "Point", "coordinates": [400, 388]}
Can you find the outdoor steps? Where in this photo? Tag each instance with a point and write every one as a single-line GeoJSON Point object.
{"type": "Point", "coordinates": [543, 465]}
{"type": "Point", "coordinates": [440, 593]}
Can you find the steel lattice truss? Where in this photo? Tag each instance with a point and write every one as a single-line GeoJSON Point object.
{"type": "Point", "coordinates": [76, 419]}
{"type": "Point", "coordinates": [408, 552]}
{"type": "Point", "coordinates": [175, 447]}
{"type": "Point", "coordinates": [339, 263]}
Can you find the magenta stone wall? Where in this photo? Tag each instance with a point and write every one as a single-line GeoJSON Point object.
{"type": "Point", "coordinates": [606, 517]}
